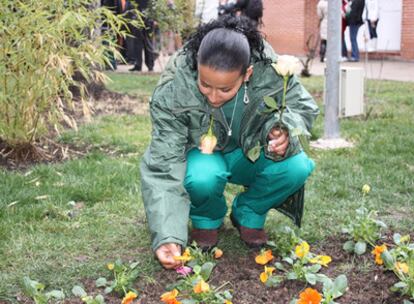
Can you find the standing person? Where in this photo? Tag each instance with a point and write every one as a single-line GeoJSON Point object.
{"type": "Point", "coordinates": [346, 8]}
{"type": "Point", "coordinates": [355, 21]}
{"type": "Point", "coordinates": [322, 11]}
{"type": "Point", "coordinates": [372, 17]}
{"type": "Point", "coordinates": [218, 82]}
{"type": "Point", "coordinates": [142, 42]}
{"type": "Point", "coordinates": [206, 10]}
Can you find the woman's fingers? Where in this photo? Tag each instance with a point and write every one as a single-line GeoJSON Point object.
{"type": "Point", "coordinates": [165, 254]}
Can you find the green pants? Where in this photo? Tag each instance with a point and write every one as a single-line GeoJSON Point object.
{"type": "Point", "coordinates": [269, 184]}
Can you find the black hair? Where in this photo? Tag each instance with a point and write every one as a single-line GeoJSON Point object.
{"type": "Point", "coordinates": [234, 50]}
{"type": "Point", "coordinates": [254, 10]}
{"type": "Point", "coordinates": [226, 54]}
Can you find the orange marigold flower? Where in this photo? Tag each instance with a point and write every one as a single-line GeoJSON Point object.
{"type": "Point", "coordinates": [264, 257]}
{"type": "Point", "coordinates": [310, 296]}
{"type": "Point", "coordinates": [129, 297]}
{"type": "Point", "coordinates": [377, 252]}
{"type": "Point", "coordinates": [218, 253]}
{"type": "Point", "coordinates": [201, 286]}
{"type": "Point", "coordinates": [170, 297]}
{"type": "Point", "coordinates": [402, 267]}
{"type": "Point", "coordinates": [228, 302]}
{"type": "Point", "coordinates": [302, 250]}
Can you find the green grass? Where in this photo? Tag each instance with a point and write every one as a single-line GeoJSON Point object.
{"type": "Point", "coordinates": [43, 233]}
{"type": "Point", "coordinates": [132, 84]}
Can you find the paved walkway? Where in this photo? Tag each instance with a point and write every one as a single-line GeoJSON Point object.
{"type": "Point", "coordinates": [374, 69]}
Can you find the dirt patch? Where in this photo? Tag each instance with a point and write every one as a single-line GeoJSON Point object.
{"type": "Point", "coordinates": [47, 150]}
{"type": "Point", "coordinates": [367, 282]}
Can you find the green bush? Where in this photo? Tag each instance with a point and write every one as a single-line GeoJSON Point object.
{"type": "Point", "coordinates": [43, 44]}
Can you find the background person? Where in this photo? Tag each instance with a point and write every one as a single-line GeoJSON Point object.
{"type": "Point", "coordinates": [220, 78]}
{"type": "Point", "coordinates": [354, 21]}
{"type": "Point", "coordinates": [322, 11]}
{"type": "Point", "coordinates": [372, 16]}
{"type": "Point", "coordinates": [142, 41]}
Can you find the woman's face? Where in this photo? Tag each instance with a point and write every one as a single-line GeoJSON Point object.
{"type": "Point", "coordinates": [220, 86]}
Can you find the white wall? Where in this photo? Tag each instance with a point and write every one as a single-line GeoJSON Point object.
{"type": "Point", "coordinates": [389, 28]}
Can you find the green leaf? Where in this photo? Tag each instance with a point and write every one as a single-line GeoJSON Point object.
{"type": "Point", "coordinates": [254, 152]}
{"type": "Point", "coordinates": [108, 289]}
{"type": "Point", "coordinates": [310, 278]}
{"type": "Point", "coordinates": [78, 291]}
{"type": "Point", "coordinates": [314, 268]}
{"type": "Point", "coordinates": [407, 302]}
{"type": "Point", "coordinates": [31, 287]}
{"type": "Point", "coordinates": [101, 282]}
{"type": "Point", "coordinates": [339, 286]}
{"type": "Point", "coordinates": [100, 299]}
{"type": "Point", "coordinates": [197, 269]}
{"type": "Point", "coordinates": [291, 276]}
{"type": "Point", "coordinates": [400, 285]}
{"type": "Point", "coordinates": [397, 238]}
{"type": "Point", "coordinates": [288, 260]}
{"type": "Point", "coordinates": [349, 246]}
{"type": "Point", "coordinates": [389, 260]}
{"type": "Point", "coordinates": [270, 102]}
{"type": "Point", "coordinates": [206, 270]}
{"type": "Point", "coordinates": [55, 294]}
{"type": "Point", "coordinates": [360, 248]}
{"type": "Point", "coordinates": [279, 266]}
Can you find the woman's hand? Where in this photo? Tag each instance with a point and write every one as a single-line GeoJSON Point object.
{"type": "Point", "coordinates": [278, 141]}
{"type": "Point", "coordinates": [165, 254]}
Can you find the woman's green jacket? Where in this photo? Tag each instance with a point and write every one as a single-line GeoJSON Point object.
{"type": "Point", "coordinates": [181, 115]}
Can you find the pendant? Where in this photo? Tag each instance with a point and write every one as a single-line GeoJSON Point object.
{"type": "Point", "coordinates": [229, 133]}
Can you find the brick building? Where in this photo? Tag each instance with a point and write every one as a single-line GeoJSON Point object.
{"type": "Point", "coordinates": [288, 24]}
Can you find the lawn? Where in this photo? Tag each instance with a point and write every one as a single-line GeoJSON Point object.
{"type": "Point", "coordinates": [60, 224]}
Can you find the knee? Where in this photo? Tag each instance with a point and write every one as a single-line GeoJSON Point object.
{"type": "Point", "coordinates": [206, 175]}
{"type": "Point", "coordinates": [203, 184]}
{"type": "Point", "coordinates": [299, 169]}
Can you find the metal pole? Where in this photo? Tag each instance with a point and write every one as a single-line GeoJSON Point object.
{"type": "Point", "coordinates": [332, 70]}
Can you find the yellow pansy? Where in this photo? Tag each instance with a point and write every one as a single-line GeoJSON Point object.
{"type": "Point", "coordinates": [185, 257]}
{"type": "Point", "coordinates": [264, 257]}
{"type": "Point", "coordinates": [110, 266]}
{"type": "Point", "coordinates": [129, 297]}
{"type": "Point", "coordinates": [169, 296]}
{"type": "Point", "coordinates": [323, 260]}
{"type": "Point", "coordinates": [264, 276]}
{"type": "Point", "coordinates": [302, 250]}
{"type": "Point", "coordinates": [201, 286]}
{"type": "Point", "coordinates": [402, 267]}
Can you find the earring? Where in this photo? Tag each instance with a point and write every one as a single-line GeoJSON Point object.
{"type": "Point", "coordinates": [246, 97]}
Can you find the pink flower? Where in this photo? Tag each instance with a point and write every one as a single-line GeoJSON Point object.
{"type": "Point", "coordinates": [184, 270]}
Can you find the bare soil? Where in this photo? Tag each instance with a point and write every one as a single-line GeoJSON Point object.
{"type": "Point", "coordinates": [367, 283]}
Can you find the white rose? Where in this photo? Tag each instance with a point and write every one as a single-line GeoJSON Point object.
{"type": "Point", "coordinates": [286, 65]}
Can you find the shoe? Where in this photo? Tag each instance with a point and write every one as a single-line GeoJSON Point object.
{"type": "Point", "coordinates": [135, 68]}
{"type": "Point", "coordinates": [206, 239]}
{"type": "Point", "coordinates": [343, 59]}
{"type": "Point", "coordinates": [353, 59]}
{"type": "Point", "coordinates": [254, 238]}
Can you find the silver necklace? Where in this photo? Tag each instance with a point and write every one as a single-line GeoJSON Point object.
{"type": "Point", "coordinates": [229, 131]}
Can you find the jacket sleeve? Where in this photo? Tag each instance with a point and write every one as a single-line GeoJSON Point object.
{"type": "Point", "coordinates": [298, 117]}
{"type": "Point", "coordinates": [162, 171]}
